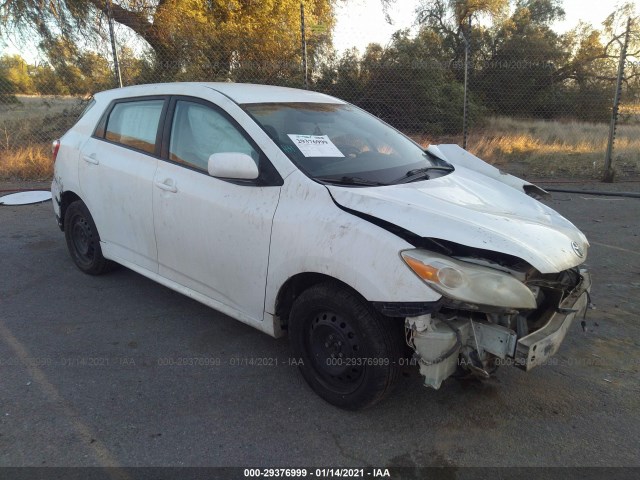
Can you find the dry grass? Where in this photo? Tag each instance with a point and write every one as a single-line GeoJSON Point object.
{"type": "Point", "coordinates": [26, 131]}
{"type": "Point", "coordinates": [553, 148]}
{"type": "Point", "coordinates": [528, 148]}
{"type": "Point", "coordinates": [26, 163]}
{"type": "Point", "coordinates": [30, 107]}
{"type": "Point", "coordinates": [629, 113]}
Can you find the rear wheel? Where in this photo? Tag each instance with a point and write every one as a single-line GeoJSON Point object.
{"type": "Point", "coordinates": [83, 240]}
{"type": "Point", "coordinates": [350, 352]}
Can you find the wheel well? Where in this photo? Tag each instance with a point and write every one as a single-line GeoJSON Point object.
{"type": "Point", "coordinates": [294, 286]}
{"type": "Point", "coordinates": [66, 199]}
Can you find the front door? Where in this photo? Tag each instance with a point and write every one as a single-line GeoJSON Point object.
{"type": "Point", "coordinates": [212, 234]}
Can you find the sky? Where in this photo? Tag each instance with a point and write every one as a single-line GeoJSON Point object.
{"type": "Point", "coordinates": [361, 22]}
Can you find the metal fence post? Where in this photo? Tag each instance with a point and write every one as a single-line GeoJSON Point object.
{"type": "Point", "coordinates": [116, 64]}
{"type": "Point", "coordinates": [608, 160]}
{"type": "Point", "coordinates": [465, 108]}
{"type": "Point", "coordinates": [304, 47]}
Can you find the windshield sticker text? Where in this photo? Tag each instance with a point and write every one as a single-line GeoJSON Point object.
{"type": "Point", "coordinates": [315, 145]}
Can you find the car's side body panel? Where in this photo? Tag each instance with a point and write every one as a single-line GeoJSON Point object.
{"type": "Point", "coordinates": [118, 192]}
{"type": "Point", "coordinates": [213, 236]}
{"type": "Point", "coordinates": [228, 269]}
{"type": "Point", "coordinates": [316, 236]}
{"type": "Point", "coordinates": [65, 175]}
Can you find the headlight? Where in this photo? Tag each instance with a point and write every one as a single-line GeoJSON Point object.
{"type": "Point", "coordinates": [467, 282]}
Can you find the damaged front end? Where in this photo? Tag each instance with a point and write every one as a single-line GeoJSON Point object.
{"type": "Point", "coordinates": [492, 313]}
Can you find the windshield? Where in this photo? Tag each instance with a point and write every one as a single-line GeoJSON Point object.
{"type": "Point", "coordinates": [340, 143]}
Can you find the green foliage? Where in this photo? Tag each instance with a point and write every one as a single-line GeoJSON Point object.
{"type": "Point", "coordinates": [14, 75]}
{"type": "Point", "coordinates": [69, 72]}
{"type": "Point", "coordinates": [403, 84]}
{"type": "Point", "coordinates": [7, 90]}
{"type": "Point", "coordinates": [521, 67]}
{"type": "Point", "coordinates": [79, 72]}
{"type": "Point", "coordinates": [48, 82]}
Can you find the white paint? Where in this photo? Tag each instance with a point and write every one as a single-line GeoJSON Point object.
{"type": "Point", "coordinates": [472, 207]}
{"type": "Point", "coordinates": [238, 92]}
{"type": "Point", "coordinates": [117, 191]}
{"type": "Point", "coordinates": [26, 198]}
{"type": "Point", "coordinates": [310, 234]}
{"type": "Point", "coordinates": [213, 236]}
{"type": "Point", "coordinates": [457, 155]}
{"type": "Point", "coordinates": [232, 165]}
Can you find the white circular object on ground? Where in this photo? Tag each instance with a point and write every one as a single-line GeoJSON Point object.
{"type": "Point", "coordinates": [26, 198]}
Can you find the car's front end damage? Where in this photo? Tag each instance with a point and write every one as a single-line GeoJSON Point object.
{"type": "Point", "coordinates": [491, 314]}
{"type": "Point", "coordinates": [505, 269]}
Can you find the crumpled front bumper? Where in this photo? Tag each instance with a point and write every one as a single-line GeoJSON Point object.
{"type": "Point", "coordinates": [536, 348]}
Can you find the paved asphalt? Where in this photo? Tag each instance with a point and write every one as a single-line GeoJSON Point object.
{"type": "Point", "coordinates": [90, 374]}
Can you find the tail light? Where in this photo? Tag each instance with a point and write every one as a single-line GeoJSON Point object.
{"type": "Point", "coordinates": [55, 146]}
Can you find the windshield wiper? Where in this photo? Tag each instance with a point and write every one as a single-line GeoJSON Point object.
{"type": "Point", "coordinates": [418, 173]}
{"type": "Point", "coordinates": [347, 180]}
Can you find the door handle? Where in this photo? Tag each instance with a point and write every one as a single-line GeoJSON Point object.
{"type": "Point", "coordinates": [91, 159]}
{"type": "Point", "coordinates": [167, 187]}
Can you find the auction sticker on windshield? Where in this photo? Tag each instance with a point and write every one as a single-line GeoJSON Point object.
{"type": "Point", "coordinates": [315, 145]}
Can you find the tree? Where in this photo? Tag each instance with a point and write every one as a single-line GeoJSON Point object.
{"type": "Point", "coordinates": [525, 56]}
{"type": "Point", "coordinates": [344, 77]}
{"type": "Point", "coordinates": [520, 65]}
{"type": "Point", "coordinates": [218, 39]}
{"type": "Point", "coordinates": [47, 82]}
{"type": "Point", "coordinates": [132, 67]}
{"type": "Point", "coordinates": [404, 84]}
{"type": "Point", "coordinates": [7, 90]}
{"type": "Point", "coordinates": [15, 72]}
{"type": "Point", "coordinates": [450, 20]}
{"type": "Point", "coordinates": [70, 71]}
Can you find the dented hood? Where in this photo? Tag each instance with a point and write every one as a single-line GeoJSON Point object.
{"type": "Point", "coordinates": [473, 210]}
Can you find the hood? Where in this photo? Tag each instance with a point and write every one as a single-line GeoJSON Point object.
{"type": "Point", "coordinates": [473, 210]}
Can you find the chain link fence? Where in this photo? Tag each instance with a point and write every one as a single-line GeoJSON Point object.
{"type": "Point", "coordinates": [531, 110]}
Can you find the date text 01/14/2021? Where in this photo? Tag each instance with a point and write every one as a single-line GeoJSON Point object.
{"type": "Point", "coordinates": [317, 472]}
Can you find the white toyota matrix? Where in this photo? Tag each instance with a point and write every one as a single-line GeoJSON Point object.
{"type": "Point", "coordinates": [300, 214]}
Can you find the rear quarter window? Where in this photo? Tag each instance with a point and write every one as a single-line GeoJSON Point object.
{"type": "Point", "coordinates": [135, 124]}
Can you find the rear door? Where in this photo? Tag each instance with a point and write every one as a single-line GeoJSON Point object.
{"type": "Point", "coordinates": [213, 234]}
{"type": "Point", "coordinates": [116, 170]}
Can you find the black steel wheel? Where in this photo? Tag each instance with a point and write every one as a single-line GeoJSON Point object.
{"type": "Point", "coordinates": [83, 240]}
{"type": "Point", "coordinates": [349, 351]}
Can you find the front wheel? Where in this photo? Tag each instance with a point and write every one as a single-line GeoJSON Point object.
{"type": "Point", "coordinates": [83, 240]}
{"type": "Point", "coordinates": [350, 352]}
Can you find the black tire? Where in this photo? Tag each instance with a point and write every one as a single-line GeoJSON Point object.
{"type": "Point", "coordinates": [350, 352]}
{"type": "Point", "coordinates": [83, 240]}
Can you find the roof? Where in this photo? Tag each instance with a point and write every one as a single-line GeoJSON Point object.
{"type": "Point", "coordinates": [253, 93]}
{"type": "Point", "coordinates": [238, 92]}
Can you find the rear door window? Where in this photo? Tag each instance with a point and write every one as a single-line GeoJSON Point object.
{"type": "Point", "coordinates": [135, 124]}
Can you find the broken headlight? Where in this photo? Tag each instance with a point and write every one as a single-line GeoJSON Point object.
{"type": "Point", "coordinates": [468, 282]}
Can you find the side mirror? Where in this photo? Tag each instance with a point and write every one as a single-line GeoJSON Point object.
{"type": "Point", "coordinates": [235, 165]}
